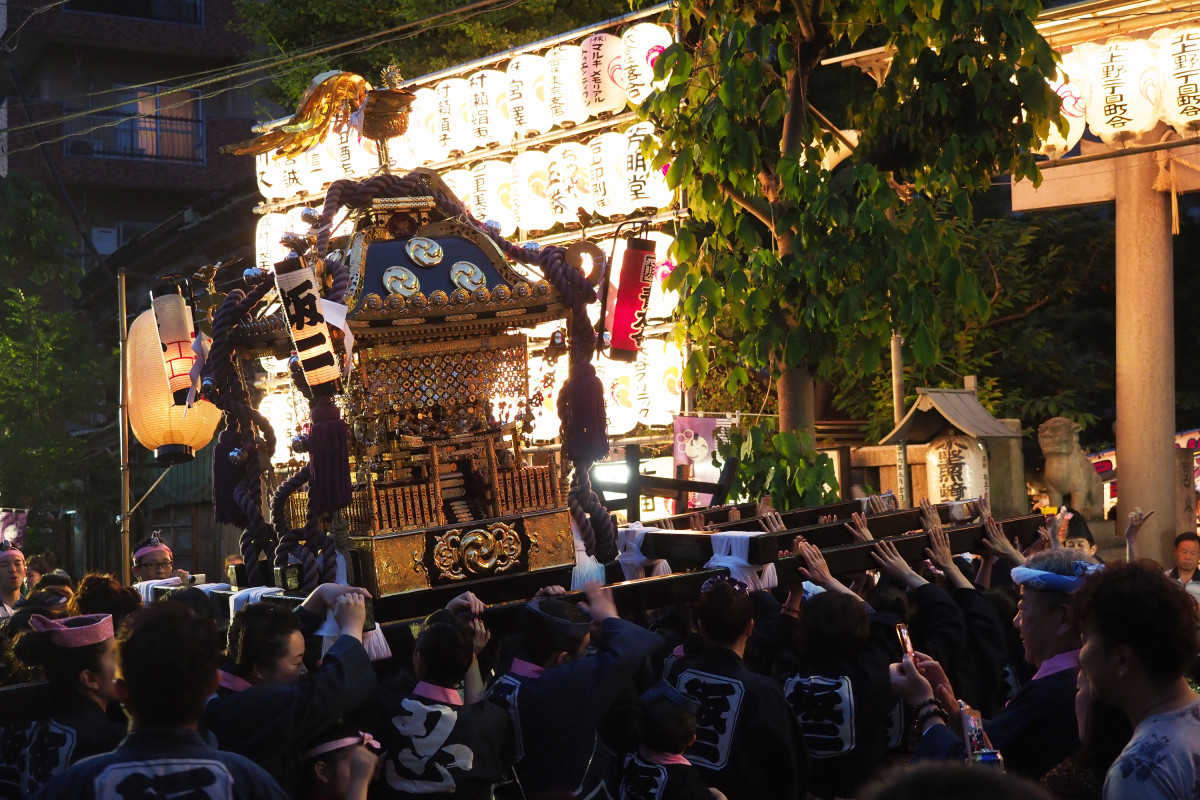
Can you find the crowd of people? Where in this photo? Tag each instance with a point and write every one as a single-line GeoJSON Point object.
{"type": "Point", "coordinates": [1038, 673]}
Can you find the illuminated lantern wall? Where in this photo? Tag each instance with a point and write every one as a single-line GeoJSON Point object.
{"type": "Point", "coordinates": [267, 247]}
{"type": "Point", "coordinates": [491, 195]}
{"type": "Point", "coordinates": [1179, 64]}
{"type": "Point", "coordinates": [606, 174]}
{"type": "Point", "coordinates": [1125, 87]}
{"type": "Point", "coordinates": [460, 182]}
{"type": "Point", "coordinates": [489, 108]}
{"type": "Point", "coordinates": [527, 109]}
{"type": "Point", "coordinates": [647, 187]}
{"type": "Point", "coordinates": [641, 46]}
{"type": "Point", "coordinates": [172, 431]}
{"type": "Point", "coordinates": [1070, 84]}
{"type": "Point", "coordinates": [269, 172]}
{"type": "Point", "coordinates": [603, 74]}
{"type": "Point", "coordinates": [422, 132]}
{"type": "Point", "coordinates": [565, 93]}
{"type": "Point", "coordinates": [351, 155]}
{"type": "Point", "coordinates": [530, 180]}
{"type": "Point", "coordinates": [568, 185]}
{"type": "Point", "coordinates": [453, 120]}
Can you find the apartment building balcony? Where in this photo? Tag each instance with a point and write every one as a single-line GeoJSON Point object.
{"type": "Point", "coordinates": [114, 134]}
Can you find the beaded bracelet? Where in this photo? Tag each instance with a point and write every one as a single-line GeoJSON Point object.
{"type": "Point", "coordinates": [928, 714]}
{"type": "Point", "coordinates": [924, 704]}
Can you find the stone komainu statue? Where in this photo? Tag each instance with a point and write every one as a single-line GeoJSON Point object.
{"type": "Point", "coordinates": [1068, 472]}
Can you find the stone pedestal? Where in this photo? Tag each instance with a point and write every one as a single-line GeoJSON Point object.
{"type": "Point", "coordinates": [1006, 474]}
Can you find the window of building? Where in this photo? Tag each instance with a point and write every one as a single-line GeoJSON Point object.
{"type": "Point", "coordinates": [153, 123]}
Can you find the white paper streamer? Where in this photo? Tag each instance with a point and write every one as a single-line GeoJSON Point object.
{"type": "Point", "coordinates": [731, 550]}
{"type": "Point", "coordinates": [629, 553]}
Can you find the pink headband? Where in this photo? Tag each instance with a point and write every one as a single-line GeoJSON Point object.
{"type": "Point", "coordinates": [338, 744]}
{"type": "Point", "coordinates": [9, 549]}
{"type": "Point", "coordinates": [93, 629]}
{"type": "Point", "coordinates": [152, 548]}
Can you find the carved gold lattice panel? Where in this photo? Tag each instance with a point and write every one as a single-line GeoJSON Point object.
{"type": "Point", "coordinates": [463, 374]}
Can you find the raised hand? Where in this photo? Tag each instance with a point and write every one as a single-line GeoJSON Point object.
{"type": "Point", "coordinates": [466, 603]}
{"type": "Point", "coordinates": [825, 519]}
{"type": "Point", "coordinates": [816, 570]}
{"type": "Point", "coordinates": [858, 527]}
{"type": "Point", "coordinates": [998, 544]}
{"type": "Point", "coordinates": [877, 504]}
{"type": "Point", "coordinates": [1137, 518]}
{"type": "Point", "coordinates": [929, 515]}
{"type": "Point", "coordinates": [773, 522]}
{"type": "Point", "coordinates": [890, 562]}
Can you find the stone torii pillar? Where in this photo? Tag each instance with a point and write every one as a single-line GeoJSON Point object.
{"type": "Point", "coordinates": [1145, 336]}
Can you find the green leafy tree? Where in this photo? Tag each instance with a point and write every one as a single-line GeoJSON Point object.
{"type": "Point", "coordinates": [786, 265]}
{"type": "Point", "coordinates": [55, 377]}
{"type": "Point", "coordinates": [280, 27]}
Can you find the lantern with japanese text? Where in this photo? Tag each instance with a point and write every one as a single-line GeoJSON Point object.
{"type": "Point", "coordinates": [279, 408]}
{"type": "Point", "coordinates": [423, 127]}
{"type": "Point", "coordinates": [489, 108]}
{"type": "Point", "coordinates": [956, 467]}
{"type": "Point", "coordinates": [530, 180]}
{"type": "Point", "coordinates": [618, 379]}
{"type": "Point", "coordinates": [647, 186]}
{"type": "Point", "coordinates": [269, 171]}
{"type": "Point", "coordinates": [460, 182]}
{"type": "Point", "coordinates": [564, 94]}
{"type": "Point", "coordinates": [351, 155]}
{"type": "Point", "coordinates": [658, 382]}
{"type": "Point", "coordinates": [663, 302]}
{"type": "Point", "coordinates": [1071, 85]}
{"type": "Point", "coordinates": [603, 74]}
{"type": "Point", "coordinates": [158, 419]}
{"type": "Point", "coordinates": [176, 332]}
{"type": "Point", "coordinates": [641, 46]}
{"type": "Point", "coordinates": [628, 317]}
{"type": "Point", "coordinates": [606, 174]}
{"type": "Point", "coordinates": [267, 246]}
{"type": "Point", "coordinates": [1179, 62]}
{"type": "Point", "coordinates": [298, 292]}
{"type": "Point", "coordinates": [568, 186]}
{"type": "Point", "coordinates": [1123, 99]}
{"type": "Point", "coordinates": [527, 109]}
{"type": "Point", "coordinates": [491, 195]}
{"type": "Point", "coordinates": [453, 116]}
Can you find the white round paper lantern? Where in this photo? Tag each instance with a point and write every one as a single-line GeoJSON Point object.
{"type": "Point", "coordinates": [453, 115]}
{"type": "Point", "coordinates": [641, 46]}
{"type": "Point", "coordinates": [1179, 63]}
{"type": "Point", "coordinates": [662, 303]}
{"type": "Point", "coordinates": [423, 127]}
{"type": "Point", "coordinates": [491, 195]}
{"type": "Point", "coordinates": [568, 188]}
{"type": "Point", "coordinates": [176, 332]}
{"type": "Point", "coordinates": [1125, 88]}
{"type": "Point", "coordinates": [402, 156]}
{"type": "Point", "coordinates": [546, 379]}
{"type": "Point", "coordinates": [565, 93]}
{"type": "Point", "coordinates": [1071, 85]}
{"type": "Point", "coordinates": [956, 468]}
{"type": "Point", "coordinates": [460, 182]}
{"type": "Point", "coordinates": [530, 182]}
{"type": "Point", "coordinates": [647, 186]}
{"type": "Point", "coordinates": [619, 383]}
{"type": "Point", "coordinates": [268, 250]}
{"type": "Point", "coordinates": [527, 109]}
{"type": "Point", "coordinates": [658, 382]}
{"type": "Point", "coordinates": [606, 174]}
{"type": "Point", "coordinates": [173, 431]}
{"type": "Point", "coordinates": [351, 155]}
{"type": "Point", "coordinates": [603, 74]}
{"type": "Point", "coordinates": [489, 108]}
{"type": "Point", "coordinates": [269, 171]}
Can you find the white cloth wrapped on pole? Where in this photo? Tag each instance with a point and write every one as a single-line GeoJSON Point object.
{"type": "Point", "coordinates": [251, 595]}
{"type": "Point", "coordinates": [731, 551]}
{"type": "Point", "coordinates": [373, 640]}
{"type": "Point", "coordinates": [629, 553]}
{"type": "Point", "coordinates": [588, 569]}
{"type": "Point", "coordinates": [146, 588]}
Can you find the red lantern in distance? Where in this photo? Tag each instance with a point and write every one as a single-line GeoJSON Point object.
{"type": "Point", "coordinates": [633, 296]}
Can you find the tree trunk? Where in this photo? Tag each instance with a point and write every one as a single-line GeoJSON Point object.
{"type": "Point", "coordinates": [797, 401]}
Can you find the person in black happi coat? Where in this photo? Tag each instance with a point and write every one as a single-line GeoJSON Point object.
{"type": "Point", "coordinates": [78, 657]}
{"type": "Point", "coordinates": [659, 770]}
{"type": "Point", "coordinates": [167, 666]}
{"type": "Point", "coordinates": [748, 744]}
{"type": "Point", "coordinates": [556, 696]}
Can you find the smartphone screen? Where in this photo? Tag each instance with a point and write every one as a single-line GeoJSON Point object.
{"type": "Point", "coordinates": [905, 640]}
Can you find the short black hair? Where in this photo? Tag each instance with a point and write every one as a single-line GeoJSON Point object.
{"type": "Point", "coordinates": [1136, 604]}
{"type": "Point", "coordinates": [446, 648]}
{"type": "Point", "coordinates": [1186, 536]}
{"type": "Point", "coordinates": [835, 626]}
{"type": "Point", "coordinates": [724, 613]}
{"type": "Point", "coordinates": [667, 728]}
{"type": "Point", "coordinates": [259, 635]}
{"type": "Point", "coordinates": [168, 660]}
{"type": "Point", "coordinates": [99, 593]}
{"type": "Point", "coordinates": [541, 639]}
